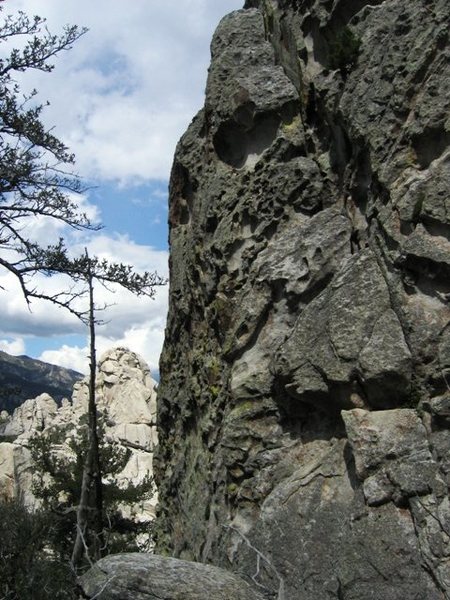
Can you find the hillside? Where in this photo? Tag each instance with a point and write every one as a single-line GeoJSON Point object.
{"type": "Point", "coordinates": [22, 377]}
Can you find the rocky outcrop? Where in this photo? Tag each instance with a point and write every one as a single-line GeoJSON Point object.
{"type": "Point", "coordinates": [125, 394]}
{"type": "Point", "coordinates": [30, 417]}
{"type": "Point", "coordinates": [303, 409]}
{"type": "Point", "coordinates": [149, 577]}
{"type": "Point", "coordinates": [15, 473]}
{"type": "Point", "coordinates": [22, 377]}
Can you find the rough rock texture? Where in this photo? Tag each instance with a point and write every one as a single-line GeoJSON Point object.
{"type": "Point", "coordinates": [125, 393]}
{"type": "Point", "coordinates": [149, 577]}
{"type": "Point", "coordinates": [310, 262]}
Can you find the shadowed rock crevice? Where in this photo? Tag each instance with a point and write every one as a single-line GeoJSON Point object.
{"type": "Point", "coordinates": [242, 141]}
{"type": "Point", "coordinates": [430, 145]}
{"type": "Point", "coordinates": [182, 190]}
{"type": "Point", "coordinates": [239, 147]}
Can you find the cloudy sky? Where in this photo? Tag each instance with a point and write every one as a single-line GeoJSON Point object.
{"type": "Point", "coordinates": [120, 99]}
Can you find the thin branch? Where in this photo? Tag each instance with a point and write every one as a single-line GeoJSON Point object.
{"type": "Point", "coordinates": [103, 588]}
{"type": "Point", "coordinates": [260, 556]}
{"type": "Point", "coordinates": [86, 549]}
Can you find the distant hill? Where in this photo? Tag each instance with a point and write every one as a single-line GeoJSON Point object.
{"type": "Point", "coordinates": [22, 377]}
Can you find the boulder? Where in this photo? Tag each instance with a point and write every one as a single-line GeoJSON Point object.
{"type": "Point", "coordinates": [151, 577]}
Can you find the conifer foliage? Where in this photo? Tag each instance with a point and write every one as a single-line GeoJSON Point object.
{"type": "Point", "coordinates": [36, 177]}
{"type": "Point", "coordinates": [58, 458]}
{"type": "Point", "coordinates": [28, 567]}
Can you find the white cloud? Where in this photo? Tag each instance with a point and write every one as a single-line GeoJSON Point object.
{"type": "Point", "coordinates": [124, 94]}
{"type": "Point", "coordinates": [15, 346]}
{"type": "Point", "coordinates": [121, 248]}
{"type": "Point", "coordinates": [69, 357]}
{"type": "Point", "coordinates": [46, 230]}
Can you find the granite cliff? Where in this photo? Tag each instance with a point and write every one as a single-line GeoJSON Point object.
{"type": "Point", "coordinates": [304, 405]}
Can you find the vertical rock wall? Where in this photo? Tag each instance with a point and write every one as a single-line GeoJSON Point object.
{"type": "Point", "coordinates": [304, 404]}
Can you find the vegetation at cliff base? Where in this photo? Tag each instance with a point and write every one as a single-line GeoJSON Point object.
{"type": "Point", "coordinates": [28, 567]}
{"type": "Point", "coordinates": [58, 458]}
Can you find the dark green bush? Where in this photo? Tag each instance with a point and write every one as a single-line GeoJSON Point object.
{"type": "Point", "coordinates": [344, 50]}
{"type": "Point", "coordinates": [28, 569]}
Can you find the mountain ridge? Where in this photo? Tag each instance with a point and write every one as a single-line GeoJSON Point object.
{"type": "Point", "coordinates": [23, 377]}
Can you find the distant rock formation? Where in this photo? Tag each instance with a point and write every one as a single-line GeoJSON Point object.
{"type": "Point", "coordinates": [125, 392]}
{"type": "Point", "coordinates": [22, 378]}
{"type": "Point", "coordinates": [303, 409]}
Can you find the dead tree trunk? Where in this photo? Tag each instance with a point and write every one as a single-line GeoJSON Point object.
{"type": "Point", "coordinates": [90, 538]}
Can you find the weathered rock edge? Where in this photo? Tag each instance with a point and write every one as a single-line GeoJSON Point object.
{"type": "Point", "coordinates": [150, 577]}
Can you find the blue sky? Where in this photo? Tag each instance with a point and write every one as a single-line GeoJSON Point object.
{"type": "Point", "coordinates": [146, 217]}
{"type": "Point", "coordinates": [120, 99]}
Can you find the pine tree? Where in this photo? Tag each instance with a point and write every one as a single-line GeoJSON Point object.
{"type": "Point", "coordinates": [59, 462]}
{"type": "Point", "coordinates": [36, 178]}
{"type": "Point", "coordinates": [86, 271]}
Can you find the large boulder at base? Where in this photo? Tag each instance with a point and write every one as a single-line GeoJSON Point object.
{"type": "Point", "coordinates": [151, 577]}
{"type": "Point", "coordinates": [303, 409]}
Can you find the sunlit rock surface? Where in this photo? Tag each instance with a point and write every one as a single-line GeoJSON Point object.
{"type": "Point", "coordinates": [310, 263]}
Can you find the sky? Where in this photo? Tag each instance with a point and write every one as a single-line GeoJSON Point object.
{"type": "Point", "coordinates": [119, 99]}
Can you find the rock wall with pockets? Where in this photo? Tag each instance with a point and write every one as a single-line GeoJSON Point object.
{"type": "Point", "coordinates": [304, 405]}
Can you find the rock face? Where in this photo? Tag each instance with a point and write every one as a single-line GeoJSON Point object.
{"type": "Point", "coordinates": [149, 577]}
{"type": "Point", "coordinates": [304, 404]}
{"type": "Point", "coordinates": [125, 393]}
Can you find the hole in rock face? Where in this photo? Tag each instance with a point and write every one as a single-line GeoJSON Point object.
{"type": "Point", "coordinates": [431, 144]}
{"type": "Point", "coordinates": [244, 114]}
{"type": "Point", "coordinates": [182, 192]}
{"type": "Point", "coordinates": [261, 137]}
{"type": "Point", "coordinates": [238, 147]}
{"type": "Point", "coordinates": [230, 144]}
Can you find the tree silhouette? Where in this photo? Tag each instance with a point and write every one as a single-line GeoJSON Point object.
{"type": "Point", "coordinates": [35, 167]}
{"type": "Point", "coordinates": [88, 271]}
